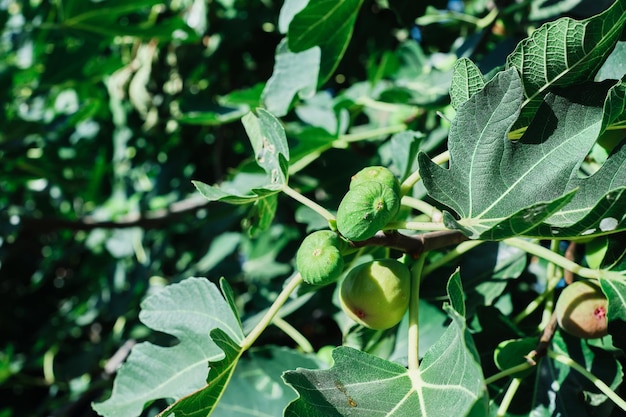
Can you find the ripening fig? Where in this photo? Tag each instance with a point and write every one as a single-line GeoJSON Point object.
{"type": "Point", "coordinates": [376, 173]}
{"type": "Point", "coordinates": [365, 209]}
{"type": "Point", "coordinates": [319, 258]}
{"type": "Point", "coordinates": [581, 310]}
{"type": "Point", "coordinates": [376, 294]}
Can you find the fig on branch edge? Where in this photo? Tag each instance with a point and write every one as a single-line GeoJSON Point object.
{"type": "Point", "coordinates": [376, 294]}
{"type": "Point", "coordinates": [581, 310]}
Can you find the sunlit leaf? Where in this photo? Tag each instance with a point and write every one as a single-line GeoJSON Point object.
{"type": "Point", "coordinates": [189, 310]}
{"type": "Point", "coordinates": [449, 378]}
{"type": "Point", "coordinates": [258, 380]}
{"type": "Point", "coordinates": [202, 402]}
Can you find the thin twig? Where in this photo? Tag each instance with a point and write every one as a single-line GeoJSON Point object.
{"type": "Point", "coordinates": [148, 220]}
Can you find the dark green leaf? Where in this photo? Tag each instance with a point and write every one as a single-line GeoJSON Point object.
{"type": "Point", "coordinates": [565, 52]}
{"type": "Point", "coordinates": [503, 188]}
{"type": "Point", "coordinates": [327, 24]}
{"type": "Point", "coordinates": [467, 80]}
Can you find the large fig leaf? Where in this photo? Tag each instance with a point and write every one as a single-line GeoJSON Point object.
{"type": "Point", "coordinates": [501, 188]}
{"type": "Point", "coordinates": [448, 382]}
{"type": "Point", "coordinates": [565, 52]}
{"type": "Point", "coordinates": [189, 310]}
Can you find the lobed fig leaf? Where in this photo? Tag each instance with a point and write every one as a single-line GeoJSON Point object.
{"type": "Point", "coordinates": [365, 209]}
{"type": "Point", "coordinates": [319, 258]}
{"type": "Point", "coordinates": [581, 310]}
{"type": "Point", "coordinates": [376, 173]}
{"type": "Point", "coordinates": [376, 294]}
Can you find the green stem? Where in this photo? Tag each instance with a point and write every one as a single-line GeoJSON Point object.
{"type": "Point", "coordinates": [508, 397]}
{"type": "Point", "coordinates": [560, 260]}
{"type": "Point", "coordinates": [606, 390]}
{"type": "Point", "coordinates": [295, 335]}
{"type": "Point", "coordinates": [308, 202]}
{"type": "Point", "coordinates": [342, 142]}
{"type": "Point", "coordinates": [271, 313]}
{"type": "Point", "coordinates": [413, 335]}
{"type": "Point", "coordinates": [368, 134]}
{"type": "Point", "coordinates": [454, 253]}
{"type": "Point", "coordinates": [412, 179]}
{"type": "Point", "coordinates": [420, 205]}
{"type": "Point", "coordinates": [507, 372]}
{"type": "Point", "coordinates": [419, 226]}
{"type": "Point", "coordinates": [533, 305]}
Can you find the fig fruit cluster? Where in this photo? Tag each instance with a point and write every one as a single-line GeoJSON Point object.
{"type": "Point", "coordinates": [376, 294]}
{"type": "Point", "coordinates": [371, 202]}
{"type": "Point", "coordinates": [581, 310]}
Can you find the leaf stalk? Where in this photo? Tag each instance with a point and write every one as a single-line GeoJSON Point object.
{"type": "Point", "coordinates": [413, 334]}
{"type": "Point", "coordinates": [282, 298]}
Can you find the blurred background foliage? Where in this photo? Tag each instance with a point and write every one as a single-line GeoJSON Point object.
{"type": "Point", "coordinates": [109, 110]}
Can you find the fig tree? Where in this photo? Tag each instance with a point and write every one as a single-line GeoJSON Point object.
{"type": "Point", "coordinates": [581, 310]}
{"type": "Point", "coordinates": [376, 294]}
{"type": "Point", "coordinates": [319, 258]}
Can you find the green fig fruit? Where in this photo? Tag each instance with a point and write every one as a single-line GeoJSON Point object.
{"type": "Point", "coordinates": [581, 310]}
{"type": "Point", "coordinates": [376, 173]}
{"type": "Point", "coordinates": [365, 209]}
{"type": "Point", "coordinates": [319, 258]}
{"type": "Point", "coordinates": [376, 294]}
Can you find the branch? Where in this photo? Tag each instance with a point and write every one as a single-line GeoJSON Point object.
{"type": "Point", "coordinates": [413, 245]}
{"type": "Point", "coordinates": [148, 220]}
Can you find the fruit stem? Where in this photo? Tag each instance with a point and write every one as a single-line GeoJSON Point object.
{"type": "Point", "coordinates": [510, 371]}
{"type": "Point", "coordinates": [508, 397]}
{"type": "Point", "coordinates": [413, 336]}
{"type": "Point", "coordinates": [420, 205]}
{"type": "Point", "coordinates": [294, 334]}
{"type": "Point", "coordinates": [308, 202]}
{"type": "Point", "coordinates": [368, 134]}
{"type": "Point", "coordinates": [606, 390]}
{"type": "Point", "coordinates": [412, 179]}
{"type": "Point", "coordinates": [282, 298]}
{"type": "Point", "coordinates": [563, 262]}
{"type": "Point", "coordinates": [451, 255]}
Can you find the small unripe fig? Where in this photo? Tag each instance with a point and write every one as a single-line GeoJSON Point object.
{"type": "Point", "coordinates": [376, 173]}
{"type": "Point", "coordinates": [581, 310]}
{"type": "Point", "coordinates": [319, 258]}
{"type": "Point", "coordinates": [365, 209]}
{"type": "Point", "coordinates": [376, 294]}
